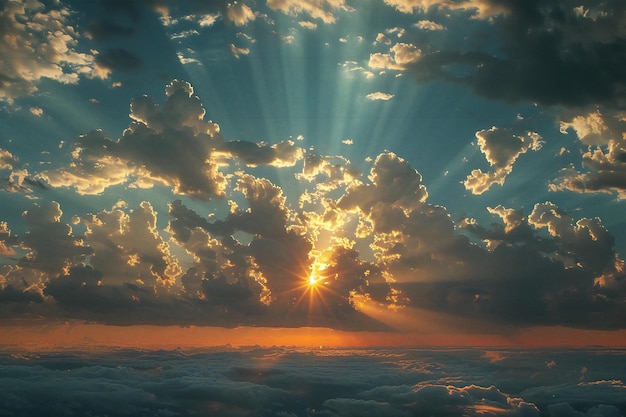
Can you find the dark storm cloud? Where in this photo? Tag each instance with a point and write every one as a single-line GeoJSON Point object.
{"type": "Point", "coordinates": [118, 59]}
{"type": "Point", "coordinates": [340, 383]}
{"type": "Point", "coordinates": [556, 53]}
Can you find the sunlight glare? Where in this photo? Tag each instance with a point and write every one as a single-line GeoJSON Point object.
{"type": "Point", "coordinates": [316, 277]}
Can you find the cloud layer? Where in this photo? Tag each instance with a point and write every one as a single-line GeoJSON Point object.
{"type": "Point", "coordinates": [284, 382]}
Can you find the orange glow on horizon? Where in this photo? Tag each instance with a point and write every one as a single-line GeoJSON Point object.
{"type": "Point", "coordinates": [79, 336]}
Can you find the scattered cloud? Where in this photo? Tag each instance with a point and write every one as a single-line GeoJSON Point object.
{"type": "Point", "coordinates": [378, 95]}
{"type": "Point", "coordinates": [239, 13]}
{"type": "Point", "coordinates": [208, 20]}
{"type": "Point", "coordinates": [323, 10]}
{"type": "Point", "coordinates": [501, 148]}
{"type": "Point", "coordinates": [308, 24]}
{"type": "Point", "coordinates": [603, 161]}
{"type": "Point", "coordinates": [39, 42]}
{"type": "Point", "coordinates": [37, 111]}
{"type": "Point", "coordinates": [429, 25]}
{"type": "Point", "coordinates": [399, 56]}
{"type": "Point", "coordinates": [237, 51]}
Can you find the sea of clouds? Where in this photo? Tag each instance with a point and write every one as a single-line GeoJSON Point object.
{"type": "Point", "coordinates": [314, 382]}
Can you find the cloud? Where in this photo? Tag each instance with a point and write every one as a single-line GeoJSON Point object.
{"type": "Point", "coordinates": [532, 67]}
{"type": "Point", "coordinates": [169, 145]}
{"type": "Point", "coordinates": [379, 95]}
{"type": "Point", "coordinates": [401, 54]}
{"type": "Point", "coordinates": [51, 245]}
{"type": "Point", "coordinates": [482, 8]}
{"type": "Point", "coordinates": [128, 248]}
{"type": "Point", "coordinates": [603, 161]}
{"type": "Point", "coordinates": [288, 382]}
{"type": "Point", "coordinates": [239, 13]}
{"type": "Point", "coordinates": [429, 25]}
{"type": "Point", "coordinates": [117, 59]}
{"type": "Point", "coordinates": [501, 149]}
{"type": "Point", "coordinates": [36, 111]}
{"type": "Point", "coordinates": [107, 29]}
{"type": "Point", "coordinates": [7, 159]}
{"type": "Point", "coordinates": [282, 154]}
{"type": "Point", "coordinates": [317, 9]}
{"type": "Point", "coordinates": [572, 277]}
{"type": "Point", "coordinates": [307, 24]}
{"type": "Point", "coordinates": [36, 42]}
{"type": "Point", "coordinates": [237, 51]}
{"type": "Point", "coordinates": [208, 20]}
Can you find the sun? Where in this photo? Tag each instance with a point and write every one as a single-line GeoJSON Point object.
{"type": "Point", "coordinates": [317, 276]}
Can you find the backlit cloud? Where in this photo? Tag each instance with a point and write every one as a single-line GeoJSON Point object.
{"type": "Point", "coordinates": [501, 149]}
{"type": "Point", "coordinates": [379, 95]}
{"type": "Point", "coordinates": [317, 9]}
{"type": "Point", "coordinates": [239, 13]}
{"type": "Point", "coordinates": [37, 42]}
{"type": "Point", "coordinates": [603, 161]}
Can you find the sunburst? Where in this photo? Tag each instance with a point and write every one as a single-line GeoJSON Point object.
{"type": "Point", "coordinates": [316, 276]}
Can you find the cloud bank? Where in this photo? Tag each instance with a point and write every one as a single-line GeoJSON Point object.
{"type": "Point", "coordinates": [285, 382]}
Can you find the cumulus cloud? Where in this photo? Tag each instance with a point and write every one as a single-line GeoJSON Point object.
{"type": "Point", "coordinates": [128, 248]}
{"type": "Point", "coordinates": [575, 274]}
{"type": "Point", "coordinates": [603, 162]}
{"type": "Point", "coordinates": [429, 25]}
{"type": "Point", "coordinates": [7, 159]}
{"type": "Point", "coordinates": [169, 145]}
{"type": "Point", "coordinates": [39, 41]}
{"type": "Point", "coordinates": [51, 245]}
{"type": "Point", "coordinates": [399, 56]}
{"type": "Point", "coordinates": [501, 149]}
{"type": "Point", "coordinates": [239, 13]}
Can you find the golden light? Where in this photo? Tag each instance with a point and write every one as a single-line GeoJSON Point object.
{"type": "Point", "coordinates": [316, 276]}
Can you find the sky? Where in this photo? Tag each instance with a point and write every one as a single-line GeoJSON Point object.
{"type": "Point", "coordinates": [382, 172]}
